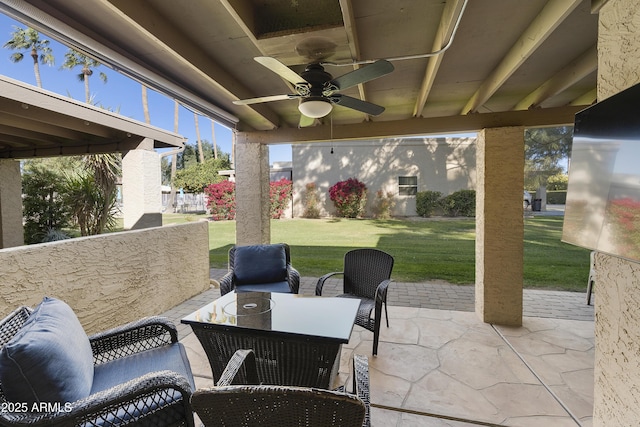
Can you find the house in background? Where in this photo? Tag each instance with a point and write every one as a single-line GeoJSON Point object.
{"type": "Point", "coordinates": [402, 166]}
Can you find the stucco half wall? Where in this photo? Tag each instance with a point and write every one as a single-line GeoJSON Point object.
{"type": "Point", "coordinates": [110, 279]}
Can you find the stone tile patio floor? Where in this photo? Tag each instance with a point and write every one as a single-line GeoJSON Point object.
{"type": "Point", "coordinates": [438, 365]}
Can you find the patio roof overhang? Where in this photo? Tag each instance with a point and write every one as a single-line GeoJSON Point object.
{"type": "Point", "coordinates": [39, 123]}
{"type": "Point", "coordinates": [498, 62]}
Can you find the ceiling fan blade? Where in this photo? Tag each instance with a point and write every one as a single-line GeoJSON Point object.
{"type": "Point", "coordinates": [356, 104]}
{"type": "Point", "coordinates": [364, 74]}
{"type": "Point", "coordinates": [266, 99]}
{"type": "Point", "coordinates": [280, 69]}
{"type": "Point", "coordinates": [306, 121]}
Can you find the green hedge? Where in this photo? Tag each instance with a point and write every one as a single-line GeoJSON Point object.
{"type": "Point", "coordinates": [460, 203]}
{"type": "Point", "coordinates": [558, 197]}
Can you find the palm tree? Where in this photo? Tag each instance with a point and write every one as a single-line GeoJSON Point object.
{"type": "Point", "coordinates": [200, 152]}
{"type": "Point", "coordinates": [145, 105]}
{"type": "Point", "coordinates": [28, 40]}
{"type": "Point", "coordinates": [74, 59]}
{"type": "Point", "coordinates": [174, 159]}
{"type": "Point", "coordinates": [213, 139]}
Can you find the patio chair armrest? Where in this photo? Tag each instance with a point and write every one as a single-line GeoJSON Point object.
{"type": "Point", "coordinates": [241, 369]}
{"type": "Point", "coordinates": [322, 279]}
{"type": "Point", "coordinates": [131, 338]}
{"type": "Point", "coordinates": [381, 291]}
{"type": "Point", "coordinates": [293, 277]}
{"type": "Point", "coordinates": [226, 283]}
{"type": "Point", "coordinates": [361, 382]}
{"type": "Point", "coordinates": [122, 402]}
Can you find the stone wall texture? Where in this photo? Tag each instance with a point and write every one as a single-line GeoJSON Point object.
{"type": "Point", "coordinates": [617, 289]}
{"type": "Point", "coordinates": [110, 279]}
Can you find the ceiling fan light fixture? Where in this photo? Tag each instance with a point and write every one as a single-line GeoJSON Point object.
{"type": "Point", "coordinates": [315, 107]}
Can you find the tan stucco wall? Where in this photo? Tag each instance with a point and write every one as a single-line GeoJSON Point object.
{"type": "Point", "coordinates": [253, 224]}
{"type": "Point", "coordinates": [440, 164]}
{"type": "Point", "coordinates": [11, 230]}
{"type": "Point", "coordinates": [141, 189]}
{"type": "Point", "coordinates": [113, 278]}
{"type": "Point", "coordinates": [499, 226]}
{"type": "Point", "coordinates": [617, 289]}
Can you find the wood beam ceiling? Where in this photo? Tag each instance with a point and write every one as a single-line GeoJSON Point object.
{"type": "Point", "coordinates": [416, 126]}
{"type": "Point", "coordinates": [540, 29]}
{"type": "Point", "coordinates": [450, 14]}
{"type": "Point", "coordinates": [580, 68]}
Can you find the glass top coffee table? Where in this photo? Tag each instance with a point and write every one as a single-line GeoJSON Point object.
{"type": "Point", "coordinates": [296, 338]}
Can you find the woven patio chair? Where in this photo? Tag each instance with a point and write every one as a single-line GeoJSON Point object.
{"type": "Point", "coordinates": [156, 392]}
{"type": "Point", "coordinates": [366, 276]}
{"type": "Point", "coordinates": [260, 268]}
{"type": "Point", "coordinates": [238, 401]}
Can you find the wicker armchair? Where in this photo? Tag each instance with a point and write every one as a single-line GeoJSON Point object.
{"type": "Point", "coordinates": [237, 401]}
{"type": "Point", "coordinates": [366, 276]}
{"type": "Point", "coordinates": [260, 268]}
{"type": "Point", "coordinates": [159, 398]}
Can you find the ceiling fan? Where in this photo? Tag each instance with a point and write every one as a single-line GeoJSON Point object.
{"type": "Point", "coordinates": [317, 90]}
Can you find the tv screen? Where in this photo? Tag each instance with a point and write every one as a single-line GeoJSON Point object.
{"type": "Point", "coordinates": [603, 198]}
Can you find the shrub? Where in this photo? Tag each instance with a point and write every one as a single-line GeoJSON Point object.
{"type": "Point", "coordinates": [557, 197]}
{"type": "Point", "coordinates": [427, 202]}
{"type": "Point", "coordinates": [311, 202]}
{"type": "Point", "coordinates": [460, 203]}
{"type": "Point", "coordinates": [349, 197]}
{"type": "Point", "coordinates": [383, 205]}
{"type": "Point", "coordinates": [221, 200]}
{"type": "Point", "coordinates": [43, 205]}
{"type": "Point", "coordinates": [279, 197]}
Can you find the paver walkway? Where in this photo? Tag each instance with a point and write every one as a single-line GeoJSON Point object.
{"type": "Point", "coordinates": [445, 296]}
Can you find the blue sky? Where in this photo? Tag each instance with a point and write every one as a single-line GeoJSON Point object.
{"type": "Point", "coordinates": [119, 94]}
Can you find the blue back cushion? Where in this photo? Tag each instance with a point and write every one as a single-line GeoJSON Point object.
{"type": "Point", "coordinates": [260, 264]}
{"type": "Point", "coordinates": [49, 359]}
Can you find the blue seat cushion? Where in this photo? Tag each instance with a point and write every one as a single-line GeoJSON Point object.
{"type": "Point", "coordinates": [49, 359]}
{"type": "Point", "coordinates": [260, 264]}
{"type": "Point", "coordinates": [282, 287]}
{"type": "Point", "coordinates": [169, 357]}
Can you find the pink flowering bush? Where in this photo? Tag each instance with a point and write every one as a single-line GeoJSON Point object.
{"type": "Point", "coordinates": [349, 197]}
{"type": "Point", "coordinates": [221, 200]}
{"type": "Point", "coordinates": [279, 196]}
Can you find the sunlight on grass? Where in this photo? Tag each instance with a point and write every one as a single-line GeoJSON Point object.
{"type": "Point", "coordinates": [424, 250]}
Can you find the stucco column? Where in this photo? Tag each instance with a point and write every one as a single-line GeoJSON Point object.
{"type": "Point", "coordinates": [11, 230]}
{"type": "Point", "coordinates": [141, 189]}
{"type": "Point", "coordinates": [252, 192]}
{"type": "Point", "coordinates": [617, 288]}
{"type": "Point", "coordinates": [499, 225]}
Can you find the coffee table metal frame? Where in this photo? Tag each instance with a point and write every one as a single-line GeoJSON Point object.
{"type": "Point", "coordinates": [283, 357]}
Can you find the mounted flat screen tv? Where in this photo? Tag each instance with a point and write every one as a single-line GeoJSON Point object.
{"type": "Point", "coordinates": [603, 198]}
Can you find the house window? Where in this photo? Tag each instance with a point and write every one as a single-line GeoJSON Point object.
{"type": "Point", "coordinates": [407, 185]}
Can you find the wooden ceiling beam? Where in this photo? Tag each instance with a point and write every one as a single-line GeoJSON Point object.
{"type": "Point", "coordinates": [354, 45]}
{"type": "Point", "coordinates": [538, 31]}
{"type": "Point", "coordinates": [578, 69]}
{"type": "Point", "coordinates": [452, 10]}
{"type": "Point", "coordinates": [416, 126]}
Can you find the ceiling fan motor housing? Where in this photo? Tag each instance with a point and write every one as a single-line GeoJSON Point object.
{"type": "Point", "coordinates": [317, 78]}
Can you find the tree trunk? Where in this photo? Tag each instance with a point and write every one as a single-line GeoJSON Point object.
{"type": "Point", "coordinates": [174, 162]}
{"type": "Point", "coordinates": [200, 152]}
{"type": "Point", "coordinates": [145, 105]}
{"type": "Point", "coordinates": [213, 139]}
{"type": "Point", "coordinates": [87, 94]}
{"type": "Point", "coordinates": [36, 67]}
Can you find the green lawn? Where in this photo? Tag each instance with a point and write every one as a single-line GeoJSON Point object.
{"type": "Point", "coordinates": [423, 250]}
